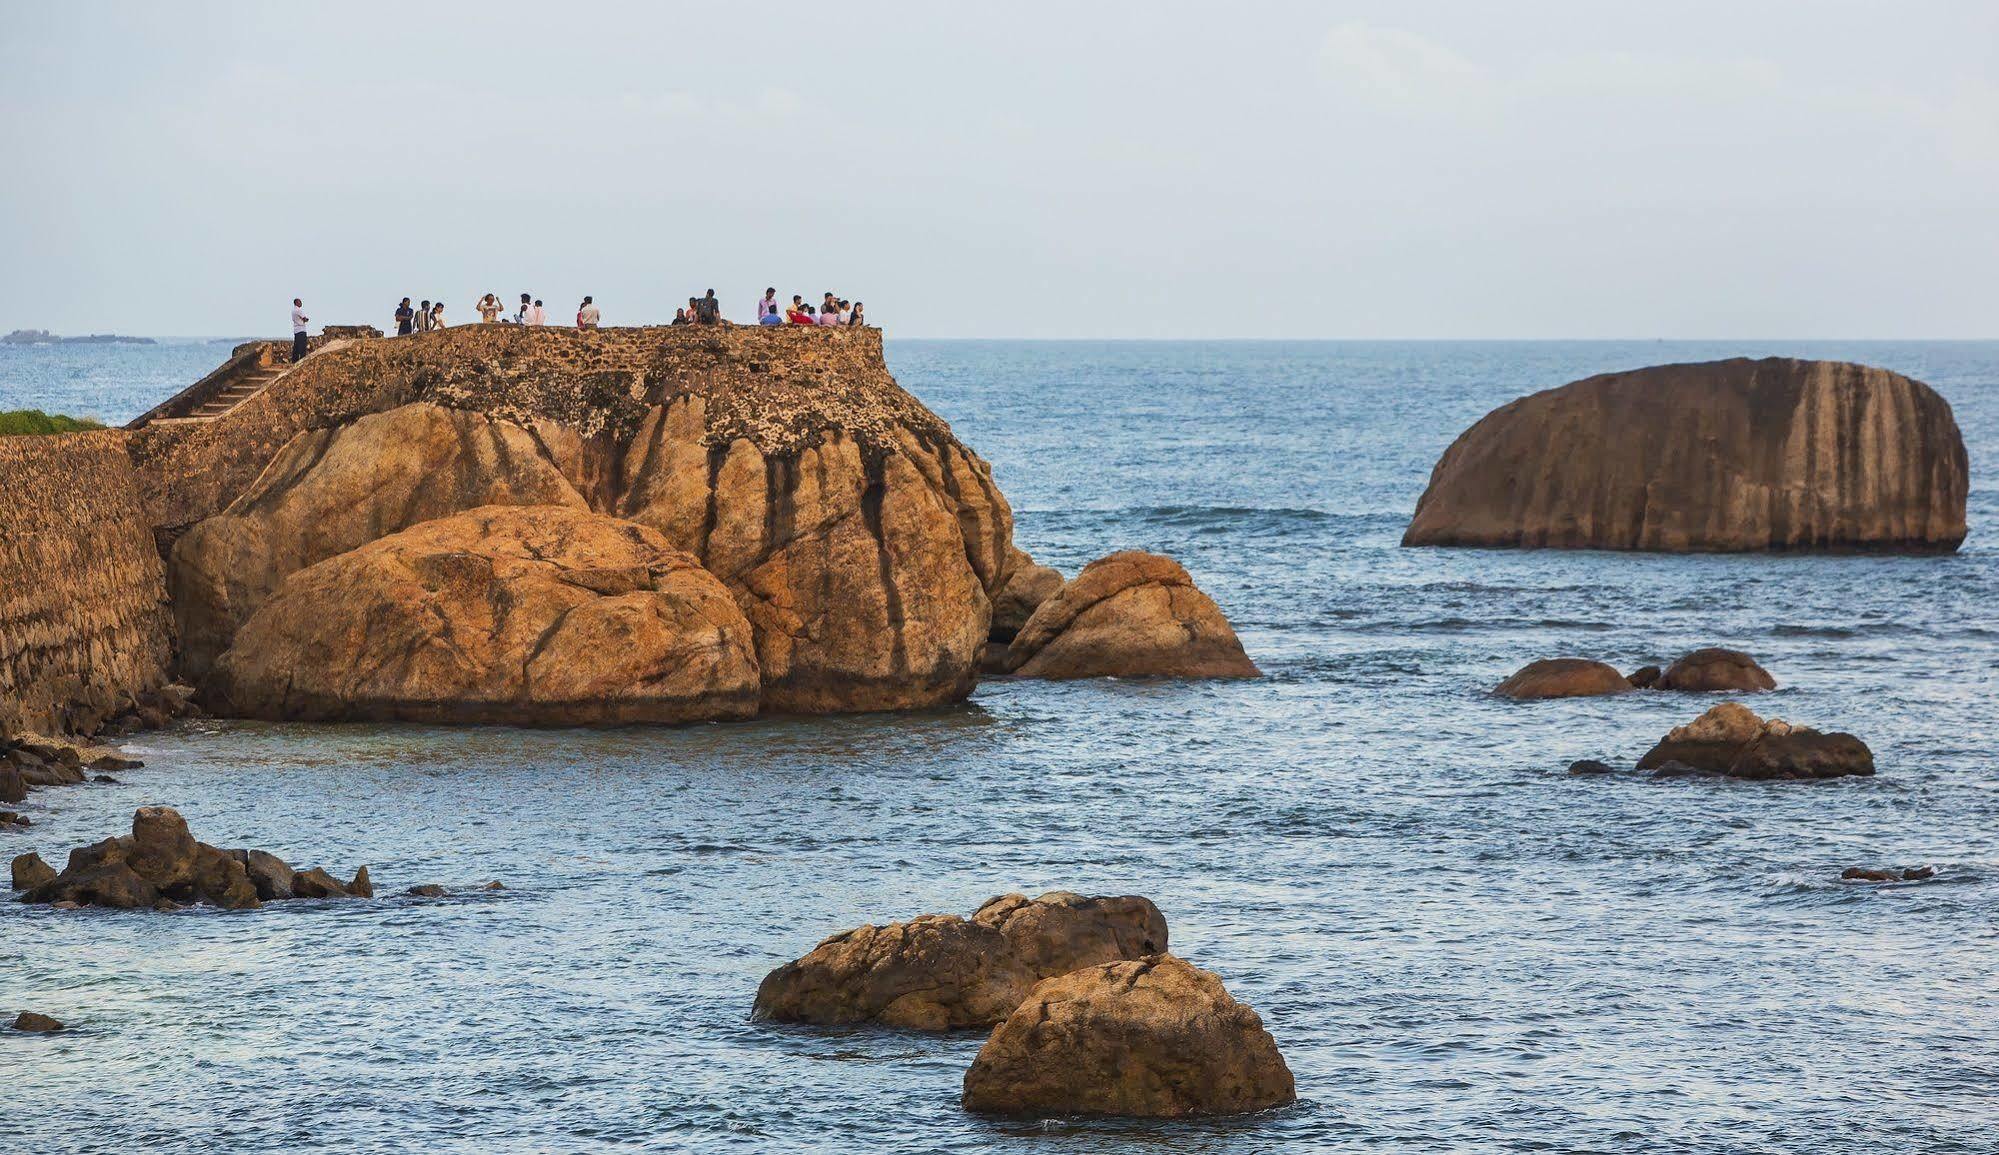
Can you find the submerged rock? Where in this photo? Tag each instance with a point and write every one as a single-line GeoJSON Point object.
{"type": "Point", "coordinates": [1061, 932]}
{"type": "Point", "coordinates": [1589, 766]}
{"type": "Point", "coordinates": [1148, 1038]}
{"type": "Point", "coordinates": [537, 616]}
{"type": "Point", "coordinates": [1870, 874]}
{"type": "Point", "coordinates": [1723, 456]}
{"type": "Point", "coordinates": [426, 890]}
{"type": "Point", "coordinates": [1730, 739]}
{"type": "Point", "coordinates": [932, 973]}
{"type": "Point", "coordinates": [1129, 615]}
{"type": "Point", "coordinates": [158, 866]}
{"type": "Point", "coordinates": [1714, 668]}
{"type": "Point", "coordinates": [1563, 678]}
{"type": "Point", "coordinates": [34, 1023]}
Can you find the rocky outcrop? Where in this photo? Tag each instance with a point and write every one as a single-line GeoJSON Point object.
{"type": "Point", "coordinates": [1061, 932]}
{"type": "Point", "coordinates": [1723, 456]}
{"type": "Point", "coordinates": [158, 866]}
{"type": "Point", "coordinates": [1151, 1038]}
{"type": "Point", "coordinates": [34, 1023]}
{"type": "Point", "coordinates": [1129, 615]}
{"type": "Point", "coordinates": [1027, 586]}
{"type": "Point", "coordinates": [1730, 739]}
{"type": "Point", "coordinates": [1876, 874]}
{"type": "Point", "coordinates": [336, 489]}
{"type": "Point", "coordinates": [1563, 678]}
{"type": "Point", "coordinates": [1713, 669]}
{"type": "Point", "coordinates": [939, 971]}
{"type": "Point", "coordinates": [862, 541]}
{"type": "Point", "coordinates": [932, 973]}
{"type": "Point", "coordinates": [538, 616]}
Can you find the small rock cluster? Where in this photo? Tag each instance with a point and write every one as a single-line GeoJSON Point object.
{"type": "Point", "coordinates": [1871, 874]}
{"type": "Point", "coordinates": [1704, 670]}
{"type": "Point", "coordinates": [30, 761]}
{"type": "Point", "coordinates": [1093, 1015]}
{"type": "Point", "coordinates": [160, 866]}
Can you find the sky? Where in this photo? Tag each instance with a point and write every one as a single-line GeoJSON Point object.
{"type": "Point", "coordinates": [1245, 169]}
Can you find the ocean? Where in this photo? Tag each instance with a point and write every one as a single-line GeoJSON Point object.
{"type": "Point", "coordinates": [1456, 945]}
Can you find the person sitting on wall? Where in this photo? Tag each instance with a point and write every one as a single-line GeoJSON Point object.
{"type": "Point", "coordinates": [857, 318]}
{"type": "Point", "coordinates": [587, 316]}
{"type": "Point", "coordinates": [527, 306]}
{"type": "Point", "coordinates": [768, 308]}
{"type": "Point", "coordinates": [708, 310]}
{"type": "Point", "coordinates": [680, 317]}
{"type": "Point", "coordinates": [537, 316]}
{"type": "Point", "coordinates": [772, 317]}
{"type": "Point", "coordinates": [801, 315]}
{"type": "Point", "coordinates": [490, 309]}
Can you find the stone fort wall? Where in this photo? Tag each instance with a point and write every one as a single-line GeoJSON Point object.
{"type": "Point", "coordinates": [84, 623]}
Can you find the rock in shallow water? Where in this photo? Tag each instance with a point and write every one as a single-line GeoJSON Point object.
{"type": "Point", "coordinates": [1060, 932]}
{"type": "Point", "coordinates": [36, 1023]}
{"type": "Point", "coordinates": [1730, 739]}
{"type": "Point", "coordinates": [1712, 669]}
{"type": "Point", "coordinates": [538, 616]}
{"type": "Point", "coordinates": [158, 866]}
{"type": "Point", "coordinates": [1129, 615]}
{"type": "Point", "coordinates": [30, 871]}
{"type": "Point", "coordinates": [1151, 1038]}
{"type": "Point", "coordinates": [1563, 678]}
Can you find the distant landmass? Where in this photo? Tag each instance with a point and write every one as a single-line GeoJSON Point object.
{"type": "Point", "coordinates": [44, 337]}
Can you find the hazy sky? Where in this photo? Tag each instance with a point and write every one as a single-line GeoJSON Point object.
{"type": "Point", "coordinates": [1400, 169]}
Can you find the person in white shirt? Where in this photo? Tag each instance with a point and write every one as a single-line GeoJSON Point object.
{"type": "Point", "coordinates": [521, 314]}
{"type": "Point", "coordinates": [537, 316]}
{"type": "Point", "coordinates": [299, 320]}
{"type": "Point", "coordinates": [437, 315]}
{"type": "Point", "coordinates": [587, 316]}
{"type": "Point", "coordinates": [768, 308]}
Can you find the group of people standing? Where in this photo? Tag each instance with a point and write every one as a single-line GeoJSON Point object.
{"type": "Point", "coordinates": [832, 311]}
{"type": "Point", "coordinates": [707, 310]}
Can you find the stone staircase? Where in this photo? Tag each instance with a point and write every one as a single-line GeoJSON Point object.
{"type": "Point", "coordinates": [238, 390]}
{"type": "Point", "coordinates": [250, 370]}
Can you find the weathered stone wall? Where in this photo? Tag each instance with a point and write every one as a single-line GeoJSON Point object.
{"type": "Point", "coordinates": [83, 615]}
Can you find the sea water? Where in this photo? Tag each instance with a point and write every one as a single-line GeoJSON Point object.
{"type": "Point", "coordinates": [1457, 946]}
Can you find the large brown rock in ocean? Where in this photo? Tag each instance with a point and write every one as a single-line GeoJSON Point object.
{"type": "Point", "coordinates": [935, 972]}
{"type": "Point", "coordinates": [540, 615]}
{"type": "Point", "coordinates": [1129, 615]}
{"type": "Point", "coordinates": [1151, 1038]}
{"type": "Point", "coordinates": [1736, 455]}
{"type": "Point", "coordinates": [1563, 678]}
{"type": "Point", "coordinates": [1027, 586]}
{"type": "Point", "coordinates": [335, 489]}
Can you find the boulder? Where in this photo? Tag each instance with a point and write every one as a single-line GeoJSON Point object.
{"type": "Point", "coordinates": [1644, 677]}
{"type": "Point", "coordinates": [1129, 615]}
{"type": "Point", "coordinates": [30, 871]}
{"type": "Point", "coordinates": [361, 886]}
{"type": "Point", "coordinates": [336, 489]}
{"type": "Point", "coordinates": [1148, 1038]}
{"type": "Point", "coordinates": [935, 972]}
{"type": "Point", "coordinates": [159, 866]}
{"type": "Point", "coordinates": [1722, 456]}
{"type": "Point", "coordinates": [863, 541]}
{"type": "Point", "coordinates": [1589, 766]}
{"type": "Point", "coordinates": [426, 890]}
{"type": "Point", "coordinates": [1717, 669]}
{"type": "Point", "coordinates": [1730, 739]}
{"type": "Point", "coordinates": [1027, 586]}
{"type": "Point", "coordinates": [1868, 874]}
{"type": "Point", "coordinates": [271, 875]}
{"type": "Point", "coordinates": [1061, 932]}
{"type": "Point", "coordinates": [1563, 678]}
{"type": "Point", "coordinates": [13, 788]}
{"type": "Point", "coordinates": [532, 616]}
{"type": "Point", "coordinates": [317, 883]}
{"type": "Point", "coordinates": [36, 1023]}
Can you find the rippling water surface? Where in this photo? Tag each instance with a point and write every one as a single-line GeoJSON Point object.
{"type": "Point", "coordinates": [1457, 946]}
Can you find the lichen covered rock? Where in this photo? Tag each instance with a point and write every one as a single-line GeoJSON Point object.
{"type": "Point", "coordinates": [1061, 932]}
{"type": "Point", "coordinates": [1150, 1038]}
{"type": "Point", "coordinates": [1129, 615]}
{"type": "Point", "coordinates": [1722, 456]}
{"type": "Point", "coordinates": [534, 616]}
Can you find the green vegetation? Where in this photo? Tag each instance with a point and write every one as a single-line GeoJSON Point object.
{"type": "Point", "coordinates": [16, 421]}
